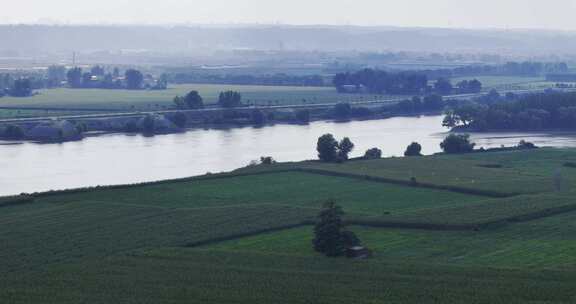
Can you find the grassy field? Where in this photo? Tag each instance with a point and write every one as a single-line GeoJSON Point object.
{"type": "Point", "coordinates": [293, 189]}
{"type": "Point", "coordinates": [507, 82]}
{"type": "Point", "coordinates": [508, 172]}
{"type": "Point", "coordinates": [530, 245]}
{"type": "Point", "coordinates": [241, 238]}
{"type": "Point", "coordinates": [9, 113]}
{"type": "Point", "coordinates": [154, 100]}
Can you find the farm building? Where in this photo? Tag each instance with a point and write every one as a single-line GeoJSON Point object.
{"type": "Point", "coordinates": [358, 252]}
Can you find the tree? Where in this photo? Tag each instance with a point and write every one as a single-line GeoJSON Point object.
{"type": "Point", "coordinates": [413, 149]}
{"type": "Point", "coordinates": [373, 153]}
{"type": "Point", "coordinates": [457, 143]}
{"type": "Point", "coordinates": [433, 102]}
{"type": "Point", "coordinates": [13, 132]}
{"type": "Point", "coordinates": [180, 103]}
{"type": "Point", "coordinates": [344, 148]}
{"type": "Point", "coordinates": [330, 238]}
{"type": "Point", "coordinates": [526, 145]}
{"type": "Point", "coordinates": [258, 117]}
{"type": "Point", "coordinates": [230, 99]}
{"type": "Point", "coordinates": [56, 74]}
{"type": "Point", "coordinates": [179, 119]}
{"type": "Point", "coordinates": [74, 77]}
{"type": "Point", "coordinates": [134, 79]}
{"type": "Point", "coordinates": [342, 110]}
{"type": "Point", "coordinates": [193, 100]}
{"type": "Point", "coordinates": [327, 148]}
{"type": "Point", "coordinates": [97, 70]}
{"type": "Point", "coordinates": [21, 88]}
{"type": "Point", "coordinates": [303, 116]}
{"type": "Point", "coordinates": [267, 160]}
{"type": "Point", "coordinates": [443, 86]}
{"type": "Point", "coordinates": [148, 125]}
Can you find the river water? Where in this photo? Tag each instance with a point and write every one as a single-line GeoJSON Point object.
{"type": "Point", "coordinates": [121, 159]}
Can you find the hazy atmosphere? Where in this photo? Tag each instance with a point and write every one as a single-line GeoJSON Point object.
{"type": "Point", "coordinates": [556, 14]}
{"type": "Point", "coordinates": [287, 151]}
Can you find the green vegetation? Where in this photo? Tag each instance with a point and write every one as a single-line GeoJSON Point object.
{"type": "Point", "coordinates": [247, 236]}
{"type": "Point", "coordinates": [507, 82]}
{"type": "Point", "coordinates": [159, 99]}
{"type": "Point", "coordinates": [536, 244]}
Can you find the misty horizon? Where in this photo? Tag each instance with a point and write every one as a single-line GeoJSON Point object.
{"type": "Point", "coordinates": [490, 14]}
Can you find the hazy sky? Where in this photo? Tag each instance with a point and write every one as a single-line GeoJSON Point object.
{"type": "Point", "coordinates": [551, 14]}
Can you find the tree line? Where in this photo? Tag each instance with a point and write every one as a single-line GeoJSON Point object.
{"type": "Point", "coordinates": [98, 77]}
{"type": "Point", "coordinates": [512, 68]}
{"type": "Point", "coordinates": [381, 82]}
{"type": "Point", "coordinates": [279, 79]}
{"type": "Point", "coordinates": [23, 84]}
{"type": "Point", "coordinates": [551, 110]}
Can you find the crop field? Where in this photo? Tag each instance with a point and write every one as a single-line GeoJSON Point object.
{"type": "Point", "coordinates": [507, 172]}
{"type": "Point", "coordinates": [244, 237]}
{"type": "Point", "coordinates": [212, 276]}
{"type": "Point", "coordinates": [535, 244]}
{"type": "Point", "coordinates": [9, 113]}
{"type": "Point", "coordinates": [157, 100]}
{"type": "Point", "coordinates": [507, 82]}
{"type": "Point", "coordinates": [293, 189]}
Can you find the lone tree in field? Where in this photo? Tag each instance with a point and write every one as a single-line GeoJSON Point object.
{"type": "Point", "coordinates": [457, 143]}
{"type": "Point", "coordinates": [413, 149]}
{"type": "Point", "coordinates": [330, 238]}
{"type": "Point", "coordinates": [327, 148]}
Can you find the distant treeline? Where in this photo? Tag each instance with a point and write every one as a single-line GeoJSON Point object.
{"type": "Point", "coordinates": [381, 82]}
{"type": "Point", "coordinates": [23, 84]}
{"type": "Point", "coordinates": [271, 80]}
{"type": "Point", "coordinates": [404, 83]}
{"type": "Point", "coordinates": [526, 68]}
{"type": "Point", "coordinates": [552, 110]}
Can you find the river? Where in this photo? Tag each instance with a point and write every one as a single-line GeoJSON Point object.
{"type": "Point", "coordinates": [121, 159]}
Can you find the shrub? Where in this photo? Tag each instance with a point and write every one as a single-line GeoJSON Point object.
{"type": "Point", "coordinates": [342, 110]}
{"type": "Point", "coordinates": [179, 119]}
{"type": "Point", "coordinates": [131, 127]}
{"type": "Point", "coordinates": [303, 116]}
{"type": "Point", "coordinates": [344, 148]}
{"type": "Point", "coordinates": [327, 148]}
{"type": "Point", "coordinates": [457, 143]}
{"type": "Point", "coordinates": [258, 117]}
{"type": "Point", "coordinates": [413, 149]}
{"type": "Point", "coordinates": [373, 153]}
{"type": "Point", "coordinates": [526, 145]}
{"type": "Point", "coordinates": [267, 160]}
{"type": "Point", "coordinates": [330, 238]}
{"type": "Point", "coordinates": [14, 132]}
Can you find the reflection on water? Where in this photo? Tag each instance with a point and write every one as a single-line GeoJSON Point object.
{"type": "Point", "coordinates": [121, 159]}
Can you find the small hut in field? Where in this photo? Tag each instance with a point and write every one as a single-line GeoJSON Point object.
{"type": "Point", "coordinates": [358, 252]}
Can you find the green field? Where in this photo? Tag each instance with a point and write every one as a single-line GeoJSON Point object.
{"type": "Point", "coordinates": [244, 237]}
{"type": "Point", "coordinates": [156, 100]}
{"type": "Point", "coordinates": [508, 82]}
